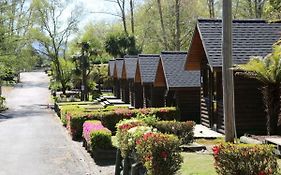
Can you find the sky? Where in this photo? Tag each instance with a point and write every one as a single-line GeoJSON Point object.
{"type": "Point", "coordinates": [95, 11]}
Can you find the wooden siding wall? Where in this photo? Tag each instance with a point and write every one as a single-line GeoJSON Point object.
{"type": "Point", "coordinates": [249, 108]}
{"type": "Point", "coordinates": [131, 93]}
{"type": "Point", "coordinates": [170, 99]}
{"type": "Point", "coordinates": [138, 93]}
{"type": "Point", "coordinates": [116, 88]}
{"type": "Point", "coordinates": [188, 102]}
{"type": "Point", "coordinates": [147, 91]}
{"type": "Point", "coordinates": [204, 109]}
{"type": "Point", "coordinates": [125, 91]}
{"type": "Point", "coordinates": [158, 96]}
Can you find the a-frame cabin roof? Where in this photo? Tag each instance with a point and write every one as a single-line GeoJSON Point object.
{"type": "Point", "coordinates": [129, 66]}
{"type": "Point", "coordinates": [118, 68]}
{"type": "Point", "coordinates": [146, 68]}
{"type": "Point", "coordinates": [250, 38]}
{"type": "Point", "coordinates": [111, 64]}
{"type": "Point", "coordinates": [171, 67]}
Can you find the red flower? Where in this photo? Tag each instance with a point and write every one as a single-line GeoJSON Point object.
{"type": "Point", "coordinates": [262, 173]}
{"type": "Point", "coordinates": [164, 154]}
{"type": "Point", "coordinates": [138, 142]}
{"type": "Point", "coordinates": [216, 150]}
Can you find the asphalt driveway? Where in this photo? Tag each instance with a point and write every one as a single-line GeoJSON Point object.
{"type": "Point", "coordinates": [32, 139]}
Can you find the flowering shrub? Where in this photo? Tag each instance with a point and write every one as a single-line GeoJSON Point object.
{"type": "Point", "coordinates": [245, 159]}
{"type": "Point", "coordinates": [184, 130]}
{"type": "Point", "coordinates": [96, 135]}
{"type": "Point", "coordinates": [109, 119]}
{"type": "Point", "coordinates": [122, 134]}
{"type": "Point", "coordinates": [159, 153]}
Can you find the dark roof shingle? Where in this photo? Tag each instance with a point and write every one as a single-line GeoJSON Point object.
{"type": "Point", "coordinates": [111, 67]}
{"type": "Point", "coordinates": [250, 38]}
{"type": "Point", "coordinates": [131, 64]}
{"type": "Point", "coordinates": [148, 66]}
{"type": "Point", "coordinates": [174, 70]}
{"type": "Point", "coordinates": [119, 67]}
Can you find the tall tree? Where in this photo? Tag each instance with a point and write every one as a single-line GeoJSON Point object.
{"type": "Point", "coordinates": [164, 34]}
{"type": "Point", "coordinates": [50, 34]}
{"type": "Point", "coordinates": [132, 16]}
{"type": "Point", "coordinates": [178, 32]}
{"type": "Point", "coordinates": [211, 5]}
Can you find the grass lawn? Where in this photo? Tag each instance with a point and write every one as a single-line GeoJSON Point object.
{"type": "Point", "coordinates": [197, 164]}
{"type": "Point", "coordinates": [200, 164]}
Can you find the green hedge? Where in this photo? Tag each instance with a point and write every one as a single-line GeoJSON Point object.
{"type": "Point", "coordinates": [245, 159]}
{"type": "Point", "coordinates": [109, 119]}
{"type": "Point", "coordinates": [184, 130]}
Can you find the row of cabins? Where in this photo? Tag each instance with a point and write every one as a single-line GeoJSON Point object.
{"type": "Point", "coordinates": [193, 81]}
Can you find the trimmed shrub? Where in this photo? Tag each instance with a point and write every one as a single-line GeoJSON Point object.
{"type": "Point", "coordinates": [123, 135]}
{"type": "Point", "coordinates": [109, 119]}
{"type": "Point", "coordinates": [184, 130]}
{"type": "Point", "coordinates": [232, 159]}
{"type": "Point", "coordinates": [159, 153]}
{"type": "Point", "coordinates": [96, 135]}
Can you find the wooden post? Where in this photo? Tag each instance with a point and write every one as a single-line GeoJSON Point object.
{"type": "Point", "coordinates": [118, 162]}
{"type": "Point", "coordinates": [228, 83]}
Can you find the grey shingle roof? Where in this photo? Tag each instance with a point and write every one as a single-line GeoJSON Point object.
{"type": "Point", "coordinates": [119, 66]}
{"type": "Point", "coordinates": [250, 38]}
{"type": "Point", "coordinates": [131, 64]}
{"type": "Point", "coordinates": [174, 70]}
{"type": "Point", "coordinates": [148, 66]}
{"type": "Point", "coordinates": [111, 67]}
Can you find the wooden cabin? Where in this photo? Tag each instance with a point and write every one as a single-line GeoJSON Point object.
{"type": "Point", "coordinates": [182, 88]}
{"type": "Point", "coordinates": [118, 91]}
{"type": "Point", "coordinates": [145, 75]}
{"type": "Point", "coordinates": [111, 64]}
{"type": "Point", "coordinates": [128, 74]}
{"type": "Point", "coordinates": [250, 38]}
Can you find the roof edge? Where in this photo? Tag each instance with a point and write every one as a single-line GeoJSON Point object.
{"type": "Point", "coordinates": [174, 52]}
{"type": "Point", "coordinates": [234, 20]}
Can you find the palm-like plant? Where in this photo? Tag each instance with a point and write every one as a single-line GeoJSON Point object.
{"type": "Point", "coordinates": [268, 71]}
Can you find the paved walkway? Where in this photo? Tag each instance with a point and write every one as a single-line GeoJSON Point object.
{"type": "Point", "coordinates": [32, 140]}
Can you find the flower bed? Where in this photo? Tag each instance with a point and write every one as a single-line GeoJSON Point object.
{"type": "Point", "coordinates": [245, 159]}
{"type": "Point", "coordinates": [109, 119]}
{"type": "Point", "coordinates": [96, 136]}
{"type": "Point", "coordinates": [158, 152]}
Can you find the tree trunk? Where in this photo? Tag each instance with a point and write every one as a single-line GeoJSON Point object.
{"type": "Point", "coordinates": [121, 4]}
{"type": "Point", "coordinates": [271, 95]}
{"type": "Point", "coordinates": [178, 32]}
{"type": "Point", "coordinates": [211, 5]}
{"type": "Point", "coordinates": [162, 25]}
{"type": "Point", "coordinates": [132, 16]}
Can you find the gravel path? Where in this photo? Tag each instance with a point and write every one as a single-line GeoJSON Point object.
{"type": "Point", "coordinates": [32, 139]}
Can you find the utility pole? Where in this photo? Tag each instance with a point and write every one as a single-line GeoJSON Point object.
{"type": "Point", "coordinates": [228, 83]}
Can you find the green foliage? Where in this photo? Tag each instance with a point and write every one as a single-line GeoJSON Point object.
{"type": "Point", "coordinates": [109, 119]}
{"type": "Point", "coordinates": [119, 45]}
{"type": "Point", "coordinates": [266, 70]}
{"type": "Point", "coordinates": [2, 103]}
{"type": "Point", "coordinates": [245, 159]}
{"type": "Point", "coordinates": [159, 153]}
{"type": "Point", "coordinates": [64, 77]}
{"type": "Point", "coordinates": [184, 130]}
{"type": "Point", "coordinates": [101, 139]}
{"type": "Point", "coordinates": [125, 140]}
